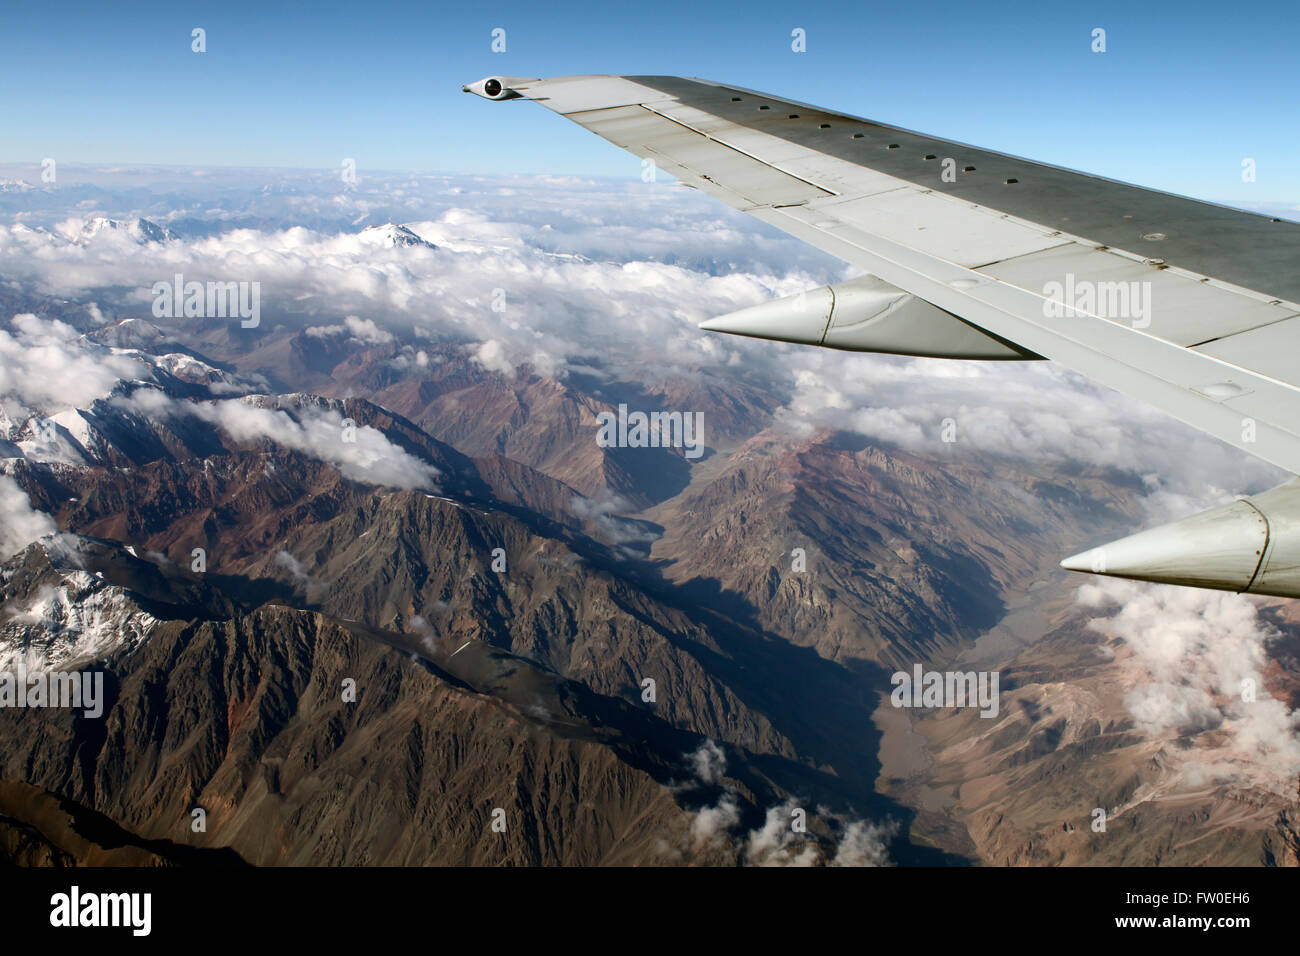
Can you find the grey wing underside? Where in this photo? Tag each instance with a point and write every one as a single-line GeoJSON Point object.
{"type": "Point", "coordinates": [1005, 246]}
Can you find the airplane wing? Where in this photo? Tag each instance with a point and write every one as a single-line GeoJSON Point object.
{"type": "Point", "coordinates": [970, 253]}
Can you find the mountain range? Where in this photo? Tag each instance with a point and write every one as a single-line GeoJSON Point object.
{"type": "Point", "coordinates": [360, 599]}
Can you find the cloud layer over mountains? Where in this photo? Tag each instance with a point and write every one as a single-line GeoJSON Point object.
{"type": "Point", "coordinates": [1197, 661]}
{"type": "Point", "coordinates": [574, 276]}
{"type": "Point", "coordinates": [46, 365]}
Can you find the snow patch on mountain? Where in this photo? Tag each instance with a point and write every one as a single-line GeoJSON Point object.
{"type": "Point", "coordinates": [130, 334]}
{"type": "Point", "coordinates": [141, 231]}
{"type": "Point", "coordinates": [391, 236]}
{"type": "Point", "coordinates": [80, 619]}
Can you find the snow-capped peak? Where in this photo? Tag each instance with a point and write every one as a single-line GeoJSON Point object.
{"type": "Point", "coordinates": [130, 334]}
{"type": "Point", "coordinates": [141, 230]}
{"type": "Point", "coordinates": [77, 619]}
{"type": "Point", "coordinates": [391, 235]}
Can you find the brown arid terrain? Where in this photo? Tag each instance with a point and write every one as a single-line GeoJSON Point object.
{"type": "Point", "coordinates": [1029, 786]}
{"type": "Point", "coordinates": [482, 638]}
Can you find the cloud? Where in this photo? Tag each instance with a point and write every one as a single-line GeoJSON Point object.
{"type": "Point", "coordinates": [20, 523]}
{"type": "Point", "coordinates": [865, 844]}
{"type": "Point", "coordinates": [614, 277]}
{"type": "Point", "coordinates": [715, 828]}
{"type": "Point", "coordinates": [584, 271]}
{"type": "Point", "coordinates": [313, 586]}
{"type": "Point", "coordinates": [1196, 669]}
{"type": "Point", "coordinates": [708, 762]}
{"type": "Point", "coordinates": [420, 625]}
{"type": "Point", "coordinates": [1028, 411]}
{"type": "Point", "coordinates": [363, 330]}
{"type": "Point", "coordinates": [492, 356]}
{"type": "Point", "coordinates": [710, 826]}
{"type": "Point", "coordinates": [603, 514]}
{"type": "Point", "coordinates": [776, 844]}
{"type": "Point", "coordinates": [46, 365]}
{"type": "Point", "coordinates": [359, 452]}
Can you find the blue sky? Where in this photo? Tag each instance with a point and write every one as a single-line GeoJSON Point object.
{"type": "Point", "coordinates": [1181, 96]}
